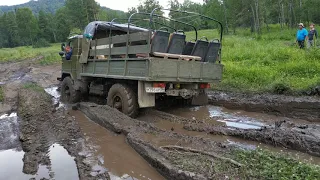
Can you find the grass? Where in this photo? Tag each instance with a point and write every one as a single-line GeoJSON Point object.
{"type": "Point", "coordinates": [50, 54]}
{"type": "Point", "coordinates": [267, 63]}
{"type": "Point", "coordinates": [34, 87]}
{"type": "Point", "coordinates": [1, 94]}
{"type": "Point", "coordinates": [262, 164]}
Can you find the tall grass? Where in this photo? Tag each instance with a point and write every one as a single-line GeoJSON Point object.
{"type": "Point", "coordinates": [265, 62]}
{"type": "Point", "coordinates": [49, 54]}
{"type": "Point", "coordinates": [1, 94]}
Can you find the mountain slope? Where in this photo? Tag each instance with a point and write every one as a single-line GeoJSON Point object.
{"type": "Point", "coordinates": [45, 5]}
{"type": "Point", "coordinates": [52, 6]}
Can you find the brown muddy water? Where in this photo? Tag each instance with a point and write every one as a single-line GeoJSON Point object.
{"type": "Point", "coordinates": [121, 160]}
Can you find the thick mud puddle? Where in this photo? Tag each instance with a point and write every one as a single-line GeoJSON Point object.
{"type": "Point", "coordinates": [178, 127]}
{"type": "Point", "coordinates": [122, 161]}
{"type": "Point", "coordinates": [232, 118]}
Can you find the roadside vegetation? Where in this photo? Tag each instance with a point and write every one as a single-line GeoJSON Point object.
{"type": "Point", "coordinates": [271, 62]}
{"type": "Point", "coordinates": [46, 55]}
{"type": "Point", "coordinates": [262, 164]}
{"type": "Point", "coordinates": [33, 87]}
{"type": "Point", "coordinates": [1, 94]}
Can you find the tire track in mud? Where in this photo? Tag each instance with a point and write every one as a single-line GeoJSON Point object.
{"type": "Point", "coordinates": [151, 141]}
{"type": "Point", "coordinates": [45, 130]}
{"type": "Point", "coordinates": [300, 107]}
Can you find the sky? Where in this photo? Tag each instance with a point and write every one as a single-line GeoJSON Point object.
{"type": "Point", "coordinates": [113, 4]}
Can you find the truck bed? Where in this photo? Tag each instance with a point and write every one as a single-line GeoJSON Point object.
{"type": "Point", "coordinates": [153, 69]}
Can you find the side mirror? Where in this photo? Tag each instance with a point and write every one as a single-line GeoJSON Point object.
{"type": "Point", "coordinates": [63, 45]}
{"type": "Point", "coordinates": [61, 53]}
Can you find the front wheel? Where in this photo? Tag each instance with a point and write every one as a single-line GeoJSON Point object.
{"type": "Point", "coordinates": [123, 98]}
{"type": "Point", "coordinates": [68, 93]}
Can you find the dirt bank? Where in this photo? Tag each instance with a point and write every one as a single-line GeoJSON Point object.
{"type": "Point", "coordinates": [43, 127]}
{"type": "Point", "coordinates": [304, 107]}
{"type": "Point", "coordinates": [305, 138]}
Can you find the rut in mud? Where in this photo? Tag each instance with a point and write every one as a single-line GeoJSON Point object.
{"type": "Point", "coordinates": [46, 130]}
{"type": "Point", "coordinates": [302, 107]}
{"type": "Point", "coordinates": [172, 149]}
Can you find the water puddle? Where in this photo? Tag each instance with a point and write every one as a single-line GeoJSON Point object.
{"type": "Point", "coordinates": [63, 165]}
{"type": "Point", "coordinates": [11, 165]}
{"type": "Point", "coordinates": [232, 118]}
{"type": "Point", "coordinates": [53, 91]}
{"type": "Point", "coordinates": [9, 131]}
{"type": "Point", "coordinates": [228, 140]}
{"type": "Point", "coordinates": [122, 161]}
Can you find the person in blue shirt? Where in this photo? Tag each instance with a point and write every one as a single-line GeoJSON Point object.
{"type": "Point", "coordinates": [302, 35]}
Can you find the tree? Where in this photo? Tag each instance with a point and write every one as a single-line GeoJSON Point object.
{"type": "Point", "coordinates": [44, 29]}
{"type": "Point", "coordinates": [80, 13]}
{"type": "Point", "coordinates": [27, 26]}
{"type": "Point", "coordinates": [62, 24]}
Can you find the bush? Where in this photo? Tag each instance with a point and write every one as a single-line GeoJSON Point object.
{"type": "Point", "coordinates": [41, 43]}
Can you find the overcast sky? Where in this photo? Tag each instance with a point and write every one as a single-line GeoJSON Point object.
{"type": "Point", "coordinates": [113, 4]}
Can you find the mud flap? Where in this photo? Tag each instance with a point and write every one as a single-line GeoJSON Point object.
{"type": "Point", "coordinates": [145, 99]}
{"type": "Point", "coordinates": [200, 100]}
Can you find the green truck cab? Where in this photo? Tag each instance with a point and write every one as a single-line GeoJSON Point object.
{"type": "Point", "coordinates": [133, 66]}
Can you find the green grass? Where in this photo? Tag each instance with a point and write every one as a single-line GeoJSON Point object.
{"type": "Point", "coordinates": [33, 86]}
{"type": "Point", "coordinates": [262, 164]}
{"type": "Point", "coordinates": [50, 54]}
{"type": "Point", "coordinates": [266, 62]}
{"type": "Point", "coordinates": [1, 94]}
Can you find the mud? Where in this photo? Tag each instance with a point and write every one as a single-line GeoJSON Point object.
{"type": "Point", "coordinates": [12, 75]}
{"type": "Point", "coordinates": [174, 150]}
{"type": "Point", "coordinates": [305, 138]}
{"type": "Point", "coordinates": [112, 149]}
{"type": "Point", "coordinates": [180, 125]}
{"type": "Point", "coordinates": [302, 107]}
{"type": "Point", "coordinates": [136, 131]}
{"type": "Point", "coordinates": [51, 138]}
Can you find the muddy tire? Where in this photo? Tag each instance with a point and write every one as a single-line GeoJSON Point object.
{"type": "Point", "coordinates": [68, 92]}
{"type": "Point", "coordinates": [123, 98]}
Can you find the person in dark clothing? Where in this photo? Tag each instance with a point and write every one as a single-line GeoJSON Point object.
{"type": "Point", "coordinates": [68, 51]}
{"type": "Point", "coordinates": [302, 34]}
{"type": "Point", "coordinates": [312, 36]}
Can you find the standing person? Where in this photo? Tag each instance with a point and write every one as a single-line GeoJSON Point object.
{"type": "Point", "coordinates": [312, 36]}
{"type": "Point", "coordinates": [302, 35]}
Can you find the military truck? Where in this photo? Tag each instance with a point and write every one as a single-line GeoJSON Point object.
{"type": "Point", "coordinates": [134, 66]}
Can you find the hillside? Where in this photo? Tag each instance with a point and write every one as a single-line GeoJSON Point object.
{"type": "Point", "coordinates": [46, 5]}
{"type": "Point", "coordinates": [51, 6]}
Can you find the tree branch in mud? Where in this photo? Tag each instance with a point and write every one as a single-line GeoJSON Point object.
{"type": "Point", "coordinates": [186, 149]}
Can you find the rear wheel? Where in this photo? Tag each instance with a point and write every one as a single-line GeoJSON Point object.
{"type": "Point", "coordinates": [68, 92]}
{"type": "Point", "coordinates": [123, 98]}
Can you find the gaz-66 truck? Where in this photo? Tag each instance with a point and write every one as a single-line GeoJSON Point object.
{"type": "Point", "coordinates": [134, 67]}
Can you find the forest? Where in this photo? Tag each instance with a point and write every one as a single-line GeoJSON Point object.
{"type": "Point", "coordinates": [38, 24]}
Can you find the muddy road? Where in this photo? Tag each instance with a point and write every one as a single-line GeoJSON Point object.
{"type": "Point", "coordinates": [43, 138]}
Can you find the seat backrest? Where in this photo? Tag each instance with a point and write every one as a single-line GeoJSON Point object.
{"type": "Point", "coordinates": [188, 48]}
{"type": "Point", "coordinates": [200, 49]}
{"type": "Point", "coordinates": [176, 43]}
{"type": "Point", "coordinates": [213, 52]}
{"type": "Point", "coordinates": [160, 41]}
